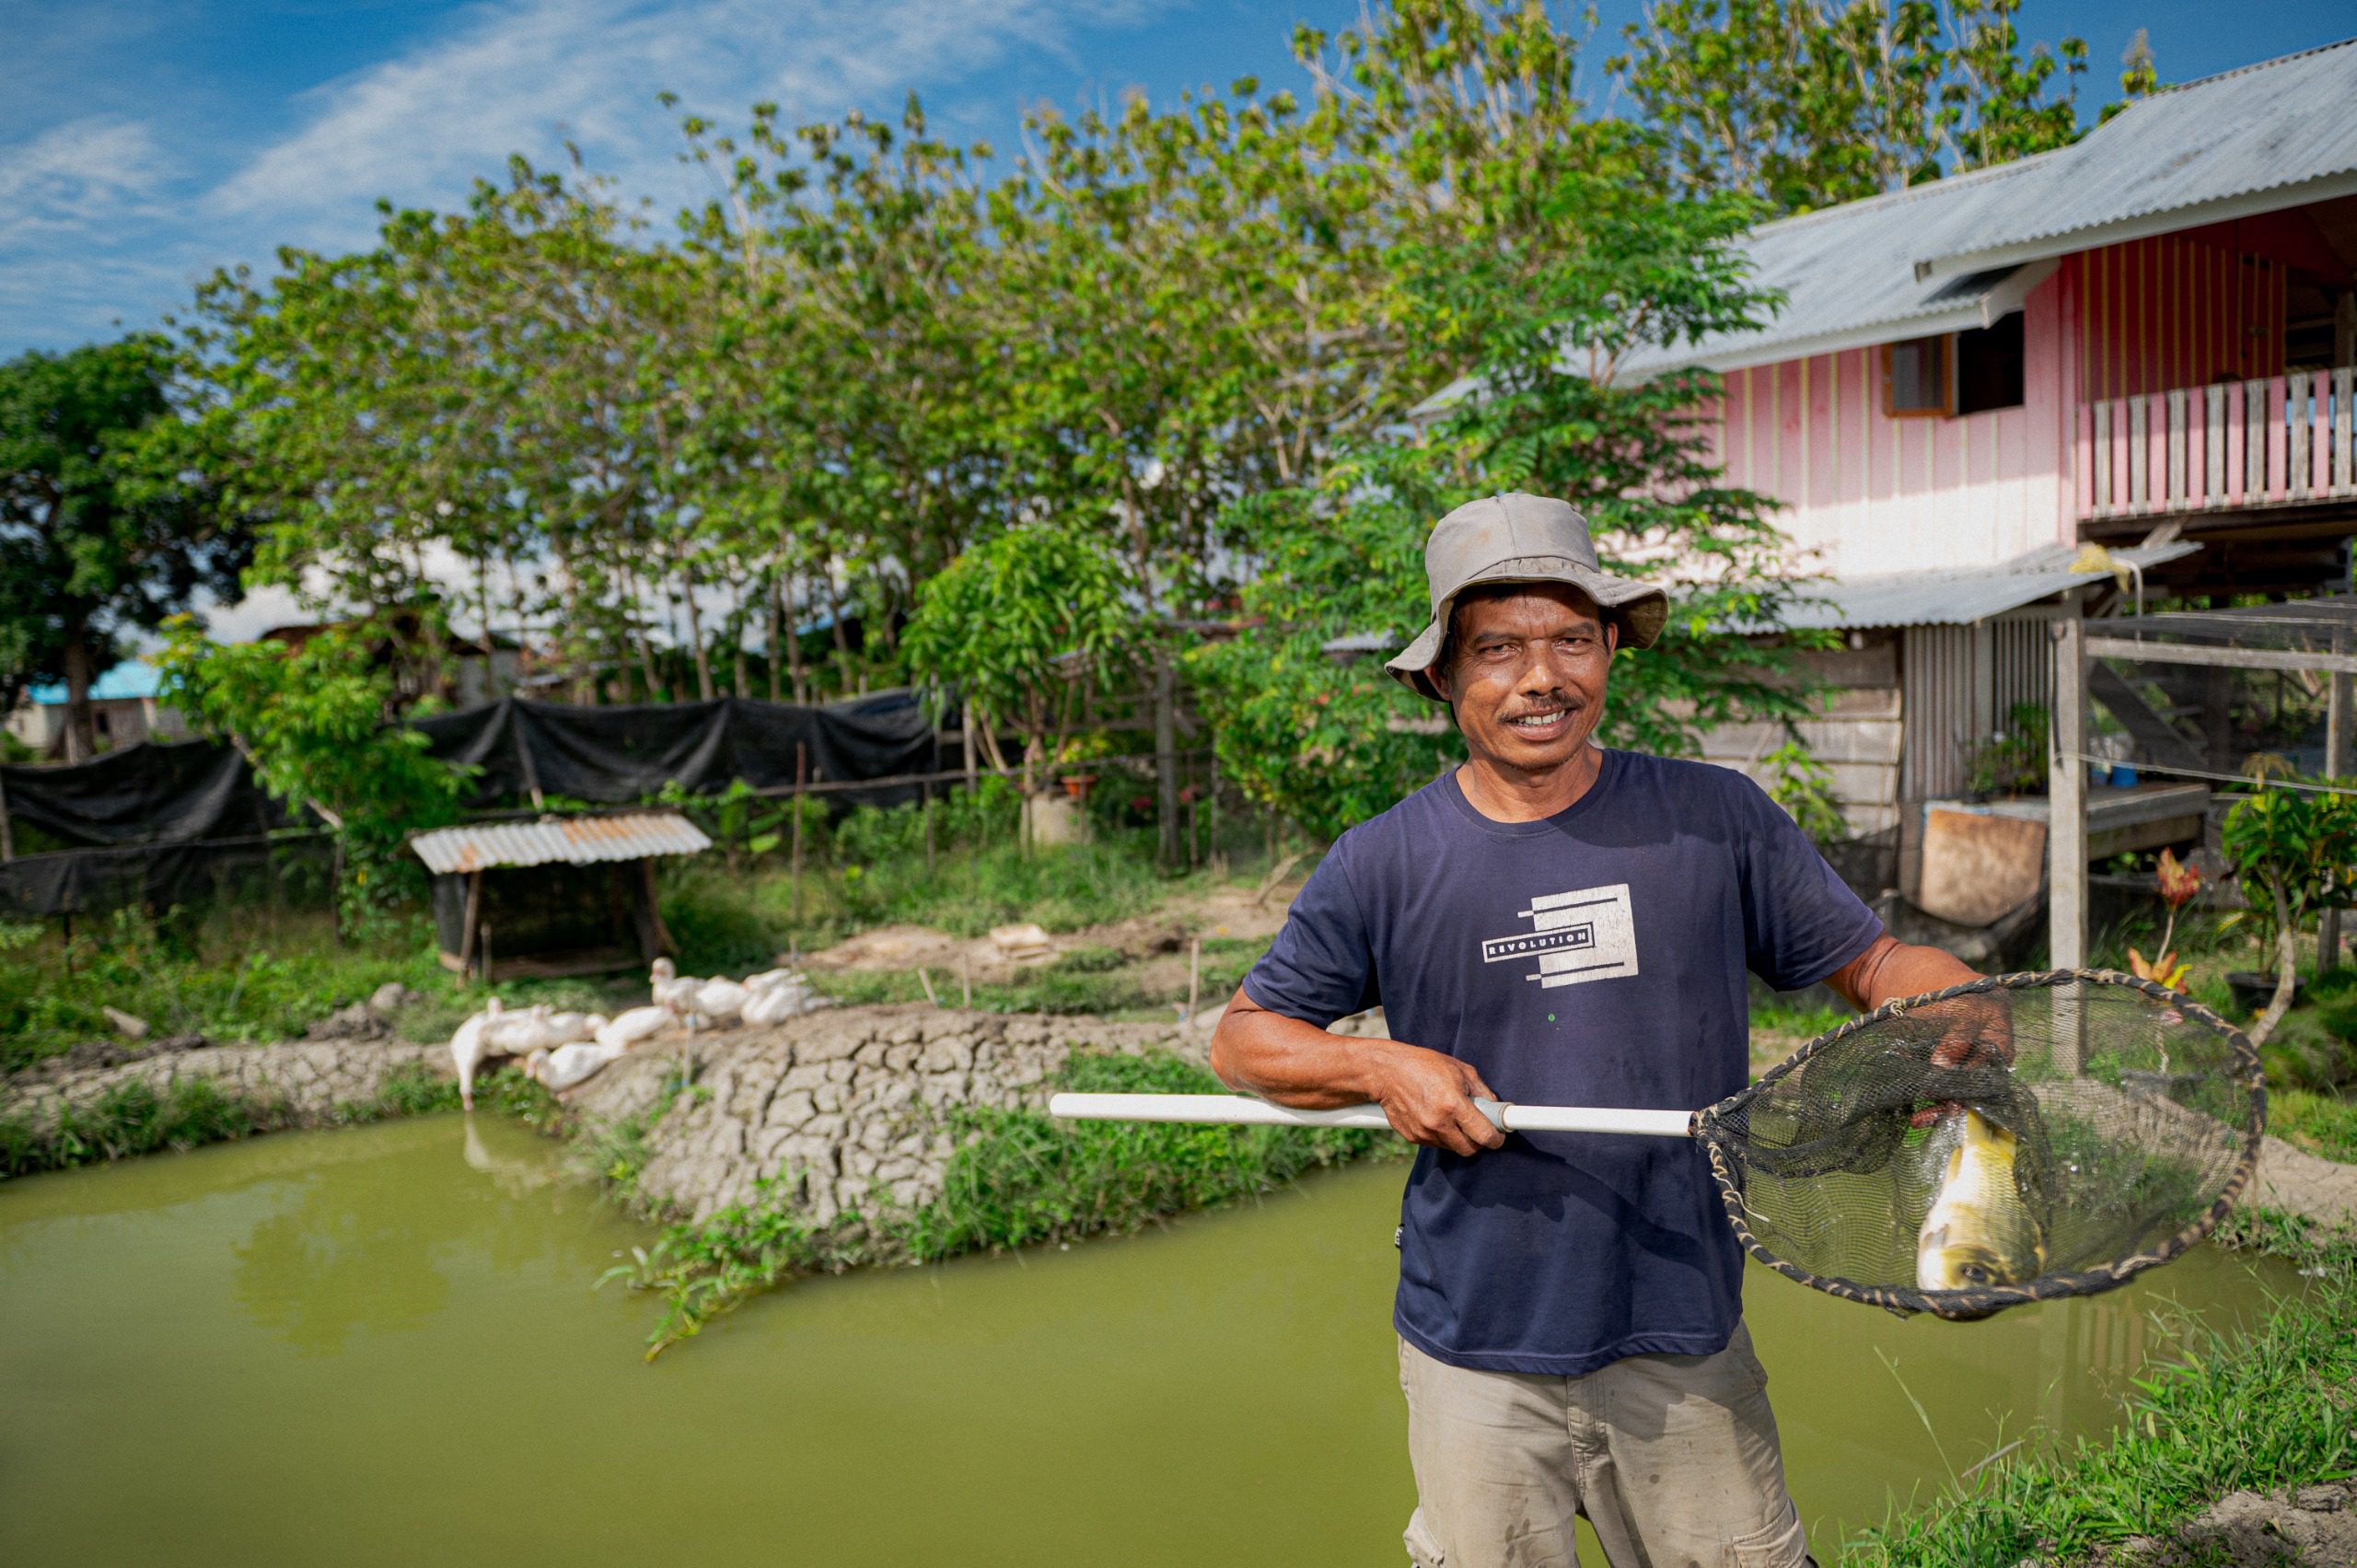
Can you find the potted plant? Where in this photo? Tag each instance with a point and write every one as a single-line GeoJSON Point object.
{"type": "Point", "coordinates": [1077, 751]}
{"type": "Point", "coordinates": [2295, 851]}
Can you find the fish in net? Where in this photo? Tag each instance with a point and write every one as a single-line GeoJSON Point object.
{"type": "Point", "coordinates": [2015, 1139]}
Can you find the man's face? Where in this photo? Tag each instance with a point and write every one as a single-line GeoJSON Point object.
{"type": "Point", "coordinates": [1527, 675]}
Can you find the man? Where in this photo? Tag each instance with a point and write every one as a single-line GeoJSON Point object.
{"type": "Point", "coordinates": [1557, 924]}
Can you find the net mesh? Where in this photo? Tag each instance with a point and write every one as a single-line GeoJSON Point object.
{"type": "Point", "coordinates": [2015, 1139]}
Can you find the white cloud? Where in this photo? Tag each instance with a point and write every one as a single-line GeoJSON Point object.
{"type": "Point", "coordinates": [525, 76]}
{"type": "Point", "coordinates": [74, 178]}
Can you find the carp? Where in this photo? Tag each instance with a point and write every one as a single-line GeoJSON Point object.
{"type": "Point", "coordinates": [1978, 1232]}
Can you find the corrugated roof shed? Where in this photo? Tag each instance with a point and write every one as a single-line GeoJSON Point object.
{"type": "Point", "coordinates": [571, 840]}
{"type": "Point", "coordinates": [1961, 597]}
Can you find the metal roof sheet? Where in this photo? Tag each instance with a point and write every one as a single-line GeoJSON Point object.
{"type": "Point", "coordinates": [1845, 276]}
{"type": "Point", "coordinates": [1960, 596]}
{"type": "Point", "coordinates": [2228, 142]}
{"type": "Point", "coordinates": [571, 840]}
{"type": "Point", "coordinates": [1963, 250]}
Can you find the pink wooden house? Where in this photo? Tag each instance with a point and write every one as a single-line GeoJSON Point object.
{"type": "Point", "coordinates": [2143, 341]}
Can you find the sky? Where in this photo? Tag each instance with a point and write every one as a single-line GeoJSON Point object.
{"type": "Point", "coordinates": [144, 143]}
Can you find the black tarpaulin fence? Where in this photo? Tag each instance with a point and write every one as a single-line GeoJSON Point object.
{"type": "Point", "coordinates": [167, 823]}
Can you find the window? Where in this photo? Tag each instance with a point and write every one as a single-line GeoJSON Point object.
{"type": "Point", "coordinates": [1915, 381]}
{"type": "Point", "coordinates": [1965, 372]}
{"type": "Point", "coordinates": [1989, 367]}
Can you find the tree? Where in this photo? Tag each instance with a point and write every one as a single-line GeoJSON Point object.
{"type": "Point", "coordinates": [1807, 104]}
{"type": "Point", "coordinates": [313, 722]}
{"type": "Point", "coordinates": [1018, 625]}
{"type": "Point", "coordinates": [104, 527]}
{"type": "Point", "coordinates": [1329, 743]}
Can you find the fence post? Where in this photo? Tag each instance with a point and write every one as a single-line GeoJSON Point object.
{"type": "Point", "coordinates": [8, 838]}
{"type": "Point", "coordinates": [2339, 741]}
{"type": "Point", "coordinates": [801, 779]}
{"type": "Point", "coordinates": [1165, 756]}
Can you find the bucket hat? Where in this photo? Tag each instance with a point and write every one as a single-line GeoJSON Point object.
{"type": "Point", "coordinates": [1517, 538]}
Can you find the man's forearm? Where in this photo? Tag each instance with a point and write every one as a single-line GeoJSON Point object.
{"type": "Point", "coordinates": [1891, 968]}
{"type": "Point", "coordinates": [1293, 1062]}
{"type": "Point", "coordinates": [1426, 1095]}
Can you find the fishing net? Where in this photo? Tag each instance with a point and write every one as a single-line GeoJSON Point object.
{"type": "Point", "coordinates": [2015, 1139]}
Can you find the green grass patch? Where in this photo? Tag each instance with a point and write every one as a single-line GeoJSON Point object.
{"type": "Point", "coordinates": [1017, 1177]}
{"type": "Point", "coordinates": [2264, 1412]}
{"type": "Point", "coordinates": [2321, 1123]}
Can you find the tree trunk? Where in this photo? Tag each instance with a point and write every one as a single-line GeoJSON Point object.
{"type": "Point", "coordinates": [2287, 960]}
{"type": "Point", "coordinates": [777, 617]}
{"type": "Point", "coordinates": [695, 636]}
{"type": "Point", "coordinates": [81, 730]}
{"type": "Point", "coordinates": [794, 652]}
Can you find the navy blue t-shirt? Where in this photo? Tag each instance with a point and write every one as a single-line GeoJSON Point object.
{"type": "Point", "coordinates": [1593, 958]}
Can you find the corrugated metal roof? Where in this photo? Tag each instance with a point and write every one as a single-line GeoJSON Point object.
{"type": "Point", "coordinates": [1847, 279]}
{"type": "Point", "coordinates": [2229, 139]}
{"type": "Point", "coordinates": [1961, 597]}
{"type": "Point", "coordinates": [571, 840]}
{"type": "Point", "coordinates": [1963, 250]}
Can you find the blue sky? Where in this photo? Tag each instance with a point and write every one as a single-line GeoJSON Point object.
{"type": "Point", "coordinates": [145, 142]}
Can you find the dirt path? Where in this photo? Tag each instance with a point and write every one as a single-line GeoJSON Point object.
{"type": "Point", "coordinates": [2312, 1187]}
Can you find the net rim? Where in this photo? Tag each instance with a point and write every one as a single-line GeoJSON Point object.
{"type": "Point", "coordinates": [1963, 1306]}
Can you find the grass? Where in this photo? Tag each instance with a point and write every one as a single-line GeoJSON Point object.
{"type": "Point", "coordinates": [136, 1118]}
{"type": "Point", "coordinates": [1099, 981]}
{"type": "Point", "coordinates": [1017, 1179]}
{"type": "Point", "coordinates": [2268, 1412]}
{"type": "Point", "coordinates": [2321, 1123]}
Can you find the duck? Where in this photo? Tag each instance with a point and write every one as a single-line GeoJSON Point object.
{"type": "Point", "coordinates": [570, 1026]}
{"type": "Point", "coordinates": [519, 1034]}
{"type": "Point", "coordinates": [467, 1052]}
{"type": "Point", "coordinates": [673, 990]}
{"type": "Point", "coordinates": [566, 1066]}
{"type": "Point", "coordinates": [626, 1029]}
{"type": "Point", "coordinates": [717, 1002]}
{"type": "Point", "coordinates": [770, 978]}
{"type": "Point", "coordinates": [775, 1004]}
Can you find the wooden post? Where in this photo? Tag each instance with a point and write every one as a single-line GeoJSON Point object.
{"type": "Point", "coordinates": [2339, 739]}
{"type": "Point", "coordinates": [1166, 756]}
{"type": "Point", "coordinates": [1218, 858]}
{"type": "Point", "coordinates": [801, 779]}
{"type": "Point", "coordinates": [964, 982]}
{"type": "Point", "coordinates": [924, 805]}
{"type": "Point", "coordinates": [467, 927]}
{"type": "Point", "coordinates": [8, 838]}
{"type": "Point", "coordinates": [1194, 977]}
{"type": "Point", "coordinates": [966, 734]}
{"type": "Point", "coordinates": [2066, 833]}
{"type": "Point", "coordinates": [2066, 837]}
{"type": "Point", "coordinates": [486, 954]}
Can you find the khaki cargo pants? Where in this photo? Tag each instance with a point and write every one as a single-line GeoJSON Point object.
{"type": "Point", "coordinates": [1672, 1460]}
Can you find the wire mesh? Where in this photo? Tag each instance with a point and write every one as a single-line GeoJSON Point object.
{"type": "Point", "coordinates": [2015, 1139]}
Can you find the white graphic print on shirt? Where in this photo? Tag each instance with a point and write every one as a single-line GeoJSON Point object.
{"type": "Point", "coordinates": [1589, 935]}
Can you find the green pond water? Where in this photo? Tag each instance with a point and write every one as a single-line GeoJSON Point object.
{"type": "Point", "coordinates": [380, 1345]}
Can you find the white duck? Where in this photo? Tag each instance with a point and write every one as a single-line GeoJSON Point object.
{"type": "Point", "coordinates": [570, 1026]}
{"type": "Point", "coordinates": [569, 1064]}
{"type": "Point", "coordinates": [717, 1002]}
{"type": "Point", "coordinates": [775, 1004]}
{"type": "Point", "coordinates": [467, 1052]}
{"type": "Point", "coordinates": [519, 1034]}
{"type": "Point", "coordinates": [632, 1024]}
{"type": "Point", "coordinates": [672, 989]}
{"type": "Point", "coordinates": [768, 978]}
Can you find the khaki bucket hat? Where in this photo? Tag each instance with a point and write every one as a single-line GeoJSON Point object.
{"type": "Point", "coordinates": [1517, 538]}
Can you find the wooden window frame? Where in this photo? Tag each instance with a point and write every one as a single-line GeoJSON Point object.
{"type": "Point", "coordinates": [1946, 409]}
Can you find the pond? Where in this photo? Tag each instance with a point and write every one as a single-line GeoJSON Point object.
{"type": "Point", "coordinates": [380, 1345]}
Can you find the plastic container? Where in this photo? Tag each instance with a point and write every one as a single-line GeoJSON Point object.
{"type": "Point", "coordinates": [2123, 776]}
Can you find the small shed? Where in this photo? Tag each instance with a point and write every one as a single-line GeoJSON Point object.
{"type": "Point", "coordinates": [559, 896]}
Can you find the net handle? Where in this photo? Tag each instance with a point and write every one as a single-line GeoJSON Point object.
{"type": "Point", "coordinates": [1244, 1111]}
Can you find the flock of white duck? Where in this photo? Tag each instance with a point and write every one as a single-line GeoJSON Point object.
{"type": "Point", "coordinates": [561, 1049]}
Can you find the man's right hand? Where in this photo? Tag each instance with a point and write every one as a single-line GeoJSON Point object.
{"type": "Point", "coordinates": [1428, 1098]}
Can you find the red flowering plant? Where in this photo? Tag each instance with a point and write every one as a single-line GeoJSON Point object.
{"type": "Point", "coordinates": [2178, 883]}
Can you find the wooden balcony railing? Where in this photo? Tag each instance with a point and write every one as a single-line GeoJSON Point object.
{"type": "Point", "coordinates": [2281, 441]}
